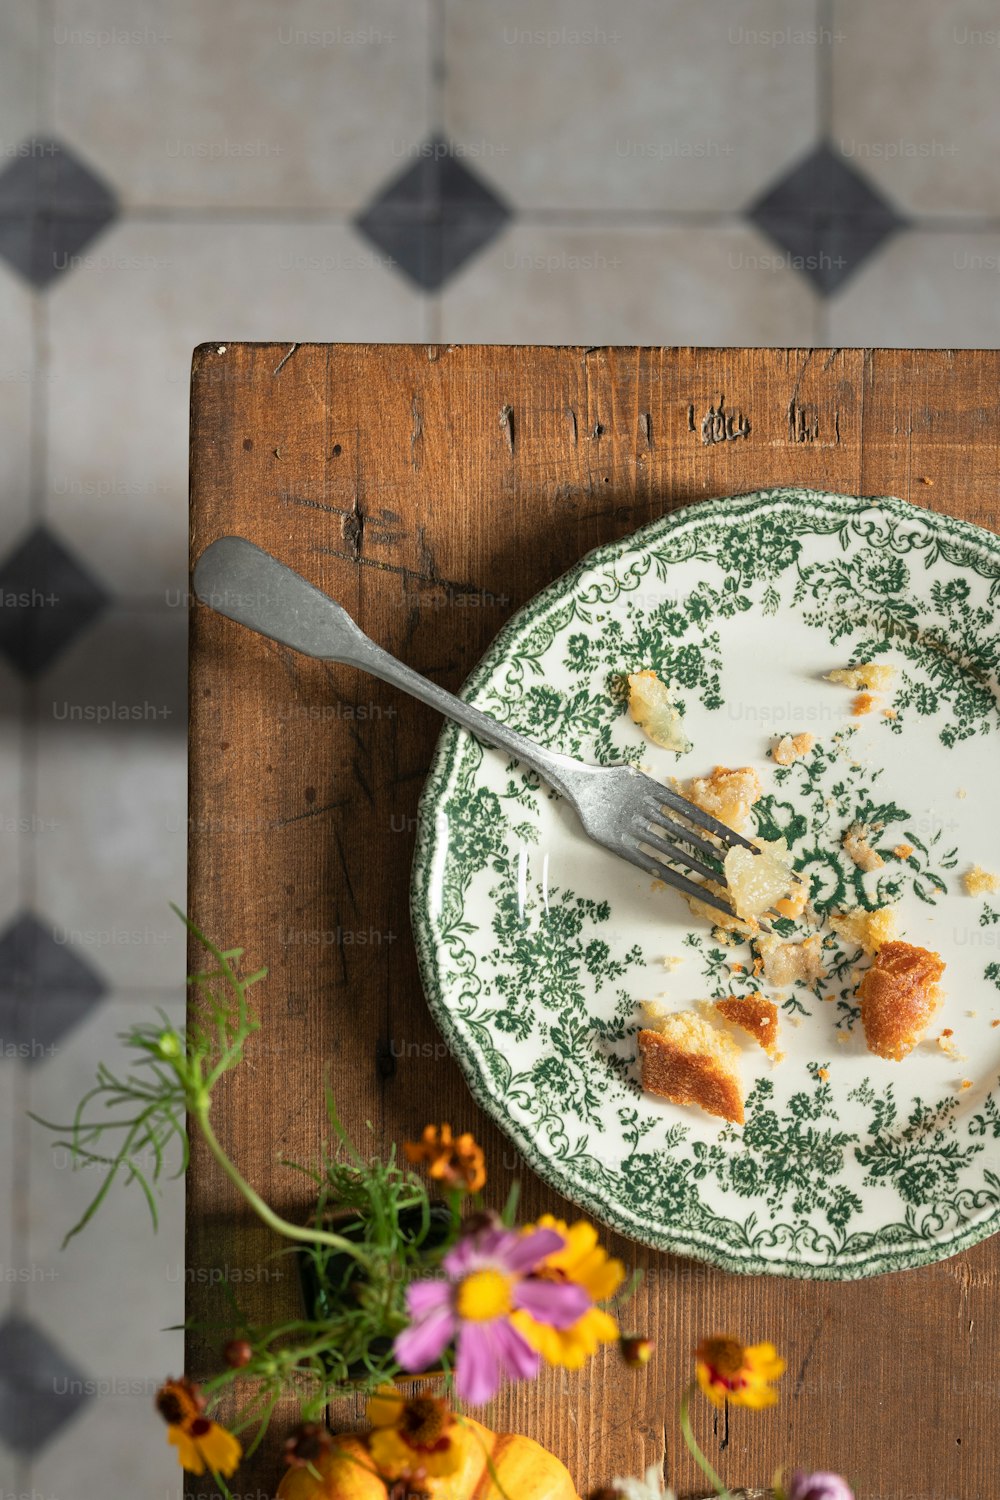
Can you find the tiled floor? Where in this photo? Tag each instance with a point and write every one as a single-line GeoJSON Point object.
{"type": "Point", "coordinates": [171, 171]}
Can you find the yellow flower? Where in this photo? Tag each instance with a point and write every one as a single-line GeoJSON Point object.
{"type": "Point", "coordinates": [204, 1444]}
{"type": "Point", "coordinates": [583, 1261]}
{"type": "Point", "coordinates": [411, 1436]}
{"type": "Point", "coordinates": [200, 1442]}
{"type": "Point", "coordinates": [730, 1371]}
{"type": "Point", "coordinates": [454, 1160]}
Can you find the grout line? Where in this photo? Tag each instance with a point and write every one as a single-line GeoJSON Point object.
{"type": "Point", "coordinates": [298, 217]}
{"type": "Point", "coordinates": [437, 68]}
{"type": "Point", "coordinates": [824, 64]}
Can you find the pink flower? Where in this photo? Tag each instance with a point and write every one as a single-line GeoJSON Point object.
{"type": "Point", "coordinates": [819, 1486]}
{"type": "Point", "coordinates": [488, 1277]}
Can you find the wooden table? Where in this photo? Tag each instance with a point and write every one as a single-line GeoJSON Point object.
{"type": "Point", "coordinates": [433, 490]}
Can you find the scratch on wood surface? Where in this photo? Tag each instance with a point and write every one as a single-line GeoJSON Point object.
{"type": "Point", "coordinates": [645, 427]}
{"type": "Point", "coordinates": [310, 812]}
{"type": "Point", "coordinates": [803, 422]}
{"type": "Point", "coordinates": [353, 527]}
{"type": "Point", "coordinates": [691, 426]}
{"type": "Point", "coordinates": [720, 426]}
{"type": "Point", "coordinates": [417, 434]}
{"type": "Point", "coordinates": [345, 868]}
{"type": "Point", "coordinates": [597, 432]}
{"type": "Point", "coordinates": [507, 425]}
{"type": "Point", "coordinates": [283, 362]}
{"type": "Point", "coordinates": [801, 1376]}
{"type": "Point", "coordinates": [968, 1279]}
{"type": "Point", "coordinates": [830, 359]}
{"type": "Point", "coordinates": [572, 423]}
{"type": "Point", "coordinates": [362, 779]}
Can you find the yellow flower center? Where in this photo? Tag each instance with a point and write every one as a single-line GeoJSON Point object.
{"type": "Point", "coordinates": [423, 1422]}
{"type": "Point", "coordinates": [484, 1295]}
{"type": "Point", "coordinates": [726, 1359]}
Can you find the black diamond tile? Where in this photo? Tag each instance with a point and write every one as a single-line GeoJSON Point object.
{"type": "Point", "coordinates": [827, 217]}
{"type": "Point", "coordinates": [51, 207]}
{"type": "Point", "coordinates": [40, 1390]}
{"type": "Point", "coordinates": [46, 599]}
{"type": "Point", "coordinates": [45, 990]}
{"type": "Point", "coordinates": [433, 216]}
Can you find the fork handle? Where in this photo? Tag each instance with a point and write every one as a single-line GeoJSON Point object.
{"type": "Point", "coordinates": [246, 584]}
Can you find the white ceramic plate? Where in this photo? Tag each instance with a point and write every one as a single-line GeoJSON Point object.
{"type": "Point", "coordinates": [536, 947]}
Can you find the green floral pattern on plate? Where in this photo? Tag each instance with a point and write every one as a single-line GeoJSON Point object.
{"type": "Point", "coordinates": [536, 949]}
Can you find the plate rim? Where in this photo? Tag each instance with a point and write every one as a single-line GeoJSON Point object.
{"type": "Point", "coordinates": [682, 1242]}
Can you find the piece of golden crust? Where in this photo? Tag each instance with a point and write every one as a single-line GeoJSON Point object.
{"type": "Point", "coordinates": [687, 1061]}
{"type": "Point", "coordinates": [870, 930]}
{"type": "Point", "coordinates": [980, 882]}
{"type": "Point", "coordinates": [754, 1015]}
{"type": "Point", "coordinates": [727, 794]}
{"type": "Point", "coordinates": [899, 994]}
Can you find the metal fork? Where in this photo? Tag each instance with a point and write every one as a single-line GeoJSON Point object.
{"type": "Point", "coordinates": [621, 809]}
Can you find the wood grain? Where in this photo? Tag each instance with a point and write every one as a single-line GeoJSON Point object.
{"type": "Point", "coordinates": [434, 490]}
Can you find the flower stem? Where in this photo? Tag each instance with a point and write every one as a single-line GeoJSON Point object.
{"type": "Point", "coordinates": [261, 1209]}
{"type": "Point", "coordinates": [694, 1449]}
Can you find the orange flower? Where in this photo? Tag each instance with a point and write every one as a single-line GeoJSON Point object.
{"type": "Point", "coordinates": [410, 1437]}
{"type": "Point", "coordinates": [201, 1443]}
{"type": "Point", "coordinates": [730, 1371]}
{"type": "Point", "coordinates": [455, 1161]}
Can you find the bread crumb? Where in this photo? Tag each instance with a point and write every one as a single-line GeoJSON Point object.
{"type": "Point", "coordinates": [822, 1073]}
{"type": "Point", "coordinates": [966, 1083]}
{"type": "Point", "coordinates": [856, 845]}
{"type": "Point", "coordinates": [672, 961]}
{"type": "Point", "coordinates": [961, 794]}
{"type": "Point", "coordinates": [978, 882]}
{"type": "Point", "coordinates": [889, 713]}
{"type": "Point", "coordinates": [996, 1022]}
{"type": "Point", "coordinates": [868, 929]}
{"type": "Point", "coordinates": [861, 705]}
{"type": "Point", "coordinates": [843, 1038]}
{"type": "Point", "coordinates": [727, 794]}
{"type": "Point", "coordinates": [868, 676]}
{"type": "Point", "coordinates": [790, 747]}
{"type": "Point", "coordinates": [689, 1061]}
{"type": "Point", "coordinates": [790, 963]}
{"type": "Point", "coordinates": [903, 851]}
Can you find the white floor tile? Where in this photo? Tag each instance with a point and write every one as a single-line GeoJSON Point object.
{"type": "Point", "coordinates": [19, 383]}
{"type": "Point", "coordinates": [123, 329]}
{"type": "Point", "coordinates": [575, 104]}
{"type": "Point", "coordinates": [643, 286]}
{"type": "Point", "coordinates": [19, 76]}
{"type": "Point", "coordinates": [110, 1294]}
{"type": "Point", "coordinates": [115, 1447]}
{"type": "Point", "coordinates": [256, 105]}
{"type": "Point", "coordinates": [116, 855]}
{"type": "Point", "coordinates": [17, 826]}
{"type": "Point", "coordinates": [914, 101]}
{"type": "Point", "coordinates": [925, 290]}
{"type": "Point", "coordinates": [9, 1104]}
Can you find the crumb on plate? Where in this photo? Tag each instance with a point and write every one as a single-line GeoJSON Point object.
{"type": "Point", "coordinates": [978, 882]}
{"type": "Point", "coordinates": [858, 848]}
{"type": "Point", "coordinates": [790, 747]}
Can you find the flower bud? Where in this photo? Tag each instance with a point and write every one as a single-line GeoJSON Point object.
{"type": "Point", "coordinates": [237, 1353]}
{"type": "Point", "coordinates": [636, 1351]}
